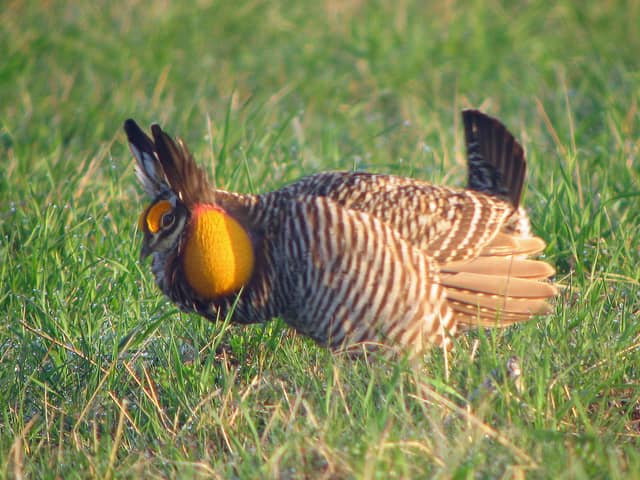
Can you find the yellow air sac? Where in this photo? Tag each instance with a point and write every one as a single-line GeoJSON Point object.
{"type": "Point", "coordinates": [218, 256]}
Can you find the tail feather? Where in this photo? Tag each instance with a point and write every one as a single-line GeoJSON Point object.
{"type": "Point", "coordinates": [497, 299]}
{"type": "Point", "coordinates": [500, 304]}
{"type": "Point", "coordinates": [471, 309]}
{"type": "Point", "coordinates": [497, 317]}
{"type": "Point", "coordinates": [505, 265]}
{"type": "Point", "coordinates": [505, 244]}
{"type": "Point", "coordinates": [502, 287]}
{"type": "Point", "coordinates": [475, 318]}
{"type": "Point", "coordinates": [496, 160]}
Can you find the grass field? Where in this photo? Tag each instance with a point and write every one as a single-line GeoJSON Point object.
{"type": "Point", "coordinates": [102, 377]}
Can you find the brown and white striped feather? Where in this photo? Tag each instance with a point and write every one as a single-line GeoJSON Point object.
{"type": "Point", "coordinates": [463, 232]}
{"type": "Point", "coordinates": [367, 278]}
{"type": "Point", "coordinates": [445, 223]}
{"type": "Point", "coordinates": [358, 257]}
{"type": "Point", "coordinates": [353, 279]}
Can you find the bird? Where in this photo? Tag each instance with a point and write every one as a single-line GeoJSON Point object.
{"type": "Point", "coordinates": [349, 258]}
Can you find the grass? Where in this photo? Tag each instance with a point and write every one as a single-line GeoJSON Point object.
{"type": "Point", "coordinates": [102, 377]}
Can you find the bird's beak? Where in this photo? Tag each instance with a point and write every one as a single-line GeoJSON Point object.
{"type": "Point", "coordinates": [145, 251]}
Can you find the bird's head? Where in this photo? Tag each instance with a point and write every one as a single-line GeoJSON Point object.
{"type": "Point", "coordinates": [183, 226]}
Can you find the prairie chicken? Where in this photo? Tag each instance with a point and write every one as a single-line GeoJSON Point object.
{"type": "Point", "coordinates": [348, 257]}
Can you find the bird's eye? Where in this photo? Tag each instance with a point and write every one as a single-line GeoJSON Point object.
{"type": "Point", "coordinates": [167, 220]}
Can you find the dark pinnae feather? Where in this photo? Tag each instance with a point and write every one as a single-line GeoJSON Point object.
{"type": "Point", "coordinates": [186, 178]}
{"type": "Point", "coordinates": [148, 169]}
{"type": "Point", "coordinates": [137, 137]}
{"type": "Point", "coordinates": [496, 160]}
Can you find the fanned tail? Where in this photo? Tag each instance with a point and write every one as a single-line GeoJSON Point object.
{"type": "Point", "coordinates": [501, 286]}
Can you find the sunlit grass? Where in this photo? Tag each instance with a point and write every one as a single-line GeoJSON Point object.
{"type": "Point", "coordinates": [102, 377]}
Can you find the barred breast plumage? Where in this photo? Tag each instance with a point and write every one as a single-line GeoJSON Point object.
{"type": "Point", "coordinates": [349, 257]}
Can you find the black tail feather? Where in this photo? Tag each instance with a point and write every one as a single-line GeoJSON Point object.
{"type": "Point", "coordinates": [496, 161]}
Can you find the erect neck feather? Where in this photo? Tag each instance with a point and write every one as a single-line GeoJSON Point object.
{"type": "Point", "coordinates": [218, 256]}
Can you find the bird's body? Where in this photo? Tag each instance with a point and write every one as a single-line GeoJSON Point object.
{"type": "Point", "coordinates": [348, 257]}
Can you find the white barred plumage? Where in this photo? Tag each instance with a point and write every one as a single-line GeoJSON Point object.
{"type": "Point", "coordinates": [363, 282]}
{"type": "Point", "coordinates": [348, 258]}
